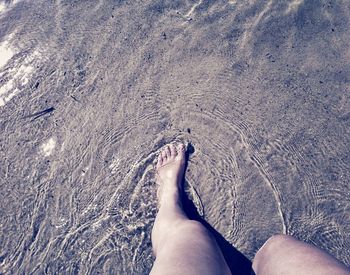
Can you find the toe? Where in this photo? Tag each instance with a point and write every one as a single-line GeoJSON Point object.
{"type": "Point", "coordinates": [160, 160]}
{"type": "Point", "coordinates": [164, 155]}
{"type": "Point", "coordinates": [172, 150]}
{"type": "Point", "coordinates": [181, 148]}
{"type": "Point", "coordinates": [168, 152]}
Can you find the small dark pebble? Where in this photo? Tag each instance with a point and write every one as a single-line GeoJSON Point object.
{"type": "Point", "coordinates": [189, 130]}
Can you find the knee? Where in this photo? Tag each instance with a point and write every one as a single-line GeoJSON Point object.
{"type": "Point", "coordinates": [179, 232]}
{"type": "Point", "coordinates": [189, 231]}
{"type": "Point", "coordinates": [190, 227]}
{"type": "Point", "coordinates": [181, 226]}
{"type": "Point", "coordinates": [270, 249]}
{"type": "Point", "coordinates": [273, 244]}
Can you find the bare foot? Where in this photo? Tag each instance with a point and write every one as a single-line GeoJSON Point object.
{"type": "Point", "coordinates": [170, 170]}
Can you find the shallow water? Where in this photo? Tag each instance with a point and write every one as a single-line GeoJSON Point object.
{"type": "Point", "coordinates": [91, 90]}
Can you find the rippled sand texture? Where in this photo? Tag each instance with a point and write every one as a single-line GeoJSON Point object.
{"type": "Point", "coordinates": [91, 90]}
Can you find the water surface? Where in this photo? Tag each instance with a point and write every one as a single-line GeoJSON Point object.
{"type": "Point", "coordinates": [91, 90]}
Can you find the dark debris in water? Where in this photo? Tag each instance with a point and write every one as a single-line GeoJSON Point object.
{"type": "Point", "coordinates": [41, 113]}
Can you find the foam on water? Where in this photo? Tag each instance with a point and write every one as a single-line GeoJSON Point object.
{"type": "Point", "coordinates": [6, 53]}
{"type": "Point", "coordinates": [16, 77]}
{"type": "Point", "coordinates": [7, 5]}
{"type": "Point", "coordinates": [48, 147]}
{"type": "Point", "coordinates": [294, 5]}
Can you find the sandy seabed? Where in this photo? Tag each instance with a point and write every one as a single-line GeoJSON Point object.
{"type": "Point", "coordinates": [91, 90]}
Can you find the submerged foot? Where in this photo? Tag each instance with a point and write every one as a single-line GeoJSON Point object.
{"type": "Point", "coordinates": [170, 170]}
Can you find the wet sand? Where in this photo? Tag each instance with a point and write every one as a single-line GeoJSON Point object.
{"type": "Point", "coordinates": [91, 90]}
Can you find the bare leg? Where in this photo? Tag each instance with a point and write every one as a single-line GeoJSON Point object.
{"type": "Point", "coordinates": [283, 254]}
{"type": "Point", "coordinates": [181, 246]}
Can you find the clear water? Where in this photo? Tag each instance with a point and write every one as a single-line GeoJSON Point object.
{"type": "Point", "coordinates": [91, 90]}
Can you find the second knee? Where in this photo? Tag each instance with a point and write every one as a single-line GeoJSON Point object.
{"type": "Point", "coordinates": [272, 247]}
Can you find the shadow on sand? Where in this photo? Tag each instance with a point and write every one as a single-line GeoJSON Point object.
{"type": "Point", "coordinates": [237, 262]}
